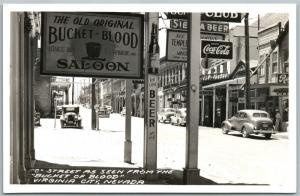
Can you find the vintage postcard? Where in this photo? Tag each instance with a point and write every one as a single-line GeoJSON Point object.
{"type": "Point", "coordinates": [149, 98]}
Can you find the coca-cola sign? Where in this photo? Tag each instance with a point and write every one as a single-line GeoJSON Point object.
{"type": "Point", "coordinates": [216, 49]}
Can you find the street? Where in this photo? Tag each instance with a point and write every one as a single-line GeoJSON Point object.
{"type": "Point", "coordinates": [221, 158]}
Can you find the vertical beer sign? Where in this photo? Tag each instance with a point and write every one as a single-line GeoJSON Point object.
{"type": "Point", "coordinates": [151, 87]}
{"type": "Point", "coordinates": [92, 44]}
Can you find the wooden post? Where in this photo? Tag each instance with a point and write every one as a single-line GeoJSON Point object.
{"type": "Point", "coordinates": [93, 104]}
{"type": "Point", "coordinates": [128, 143]}
{"type": "Point", "coordinates": [150, 106]}
{"type": "Point", "coordinates": [247, 66]}
{"type": "Point", "coordinates": [191, 171]}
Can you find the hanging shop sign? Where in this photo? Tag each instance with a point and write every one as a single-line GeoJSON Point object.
{"type": "Point", "coordinates": [205, 27]}
{"type": "Point", "coordinates": [176, 46]}
{"type": "Point", "coordinates": [92, 44]}
{"type": "Point", "coordinates": [179, 24]}
{"type": "Point", "coordinates": [177, 15]}
{"type": "Point", "coordinates": [279, 91]}
{"type": "Point", "coordinates": [206, 93]}
{"type": "Point", "coordinates": [216, 49]}
{"type": "Point", "coordinates": [214, 77]}
{"type": "Point", "coordinates": [209, 16]}
{"type": "Point", "coordinates": [212, 36]}
{"type": "Point", "coordinates": [283, 78]}
{"type": "Point", "coordinates": [222, 16]}
{"type": "Point", "coordinates": [214, 27]}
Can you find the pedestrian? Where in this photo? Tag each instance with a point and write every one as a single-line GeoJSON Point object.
{"type": "Point", "coordinates": [277, 120]}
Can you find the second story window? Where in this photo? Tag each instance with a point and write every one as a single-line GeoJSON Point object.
{"type": "Point", "coordinates": [274, 62]}
{"type": "Point", "coordinates": [262, 67]}
{"type": "Point", "coordinates": [286, 61]}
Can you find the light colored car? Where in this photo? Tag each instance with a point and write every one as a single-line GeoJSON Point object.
{"type": "Point", "coordinates": [70, 116]}
{"type": "Point", "coordinates": [123, 112]}
{"type": "Point", "coordinates": [103, 112]}
{"type": "Point", "coordinates": [164, 115]}
{"type": "Point", "coordinates": [179, 118]}
{"type": "Point", "coordinates": [250, 122]}
{"type": "Point", "coordinates": [109, 108]}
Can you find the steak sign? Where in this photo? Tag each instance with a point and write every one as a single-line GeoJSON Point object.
{"type": "Point", "coordinates": [216, 49]}
{"type": "Point", "coordinates": [92, 44]}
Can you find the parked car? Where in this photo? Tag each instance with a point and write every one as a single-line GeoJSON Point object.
{"type": "Point", "coordinates": [59, 110]}
{"type": "Point", "coordinates": [37, 117]}
{"type": "Point", "coordinates": [103, 112]}
{"type": "Point", "coordinates": [109, 108]}
{"type": "Point", "coordinates": [164, 115]}
{"type": "Point", "coordinates": [179, 118]}
{"type": "Point", "coordinates": [249, 122]}
{"type": "Point", "coordinates": [70, 116]}
{"type": "Point", "coordinates": [123, 112]}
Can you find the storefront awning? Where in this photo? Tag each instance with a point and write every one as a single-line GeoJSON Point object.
{"type": "Point", "coordinates": [237, 81]}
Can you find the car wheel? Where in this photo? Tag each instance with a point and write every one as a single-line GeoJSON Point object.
{"type": "Point", "coordinates": [268, 135]}
{"type": "Point", "coordinates": [224, 129]}
{"type": "Point", "coordinates": [245, 134]}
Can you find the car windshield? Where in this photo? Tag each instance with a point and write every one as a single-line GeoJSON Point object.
{"type": "Point", "coordinates": [257, 115]}
{"type": "Point", "coordinates": [71, 109]}
{"type": "Point", "coordinates": [170, 110]}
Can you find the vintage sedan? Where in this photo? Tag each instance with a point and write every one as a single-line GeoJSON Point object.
{"type": "Point", "coordinates": [164, 115]}
{"type": "Point", "coordinates": [70, 116]}
{"type": "Point", "coordinates": [179, 118]}
{"type": "Point", "coordinates": [103, 112]}
{"type": "Point", "coordinates": [250, 122]}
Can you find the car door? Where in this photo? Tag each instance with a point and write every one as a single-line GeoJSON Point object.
{"type": "Point", "coordinates": [241, 120]}
{"type": "Point", "coordinates": [233, 120]}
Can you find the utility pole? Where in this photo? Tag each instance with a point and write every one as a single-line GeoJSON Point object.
{"type": "Point", "coordinates": [247, 66]}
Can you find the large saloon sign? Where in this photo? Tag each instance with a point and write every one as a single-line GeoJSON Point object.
{"type": "Point", "coordinates": [92, 44]}
{"type": "Point", "coordinates": [216, 49]}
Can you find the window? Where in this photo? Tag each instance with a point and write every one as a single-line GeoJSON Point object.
{"type": "Point", "coordinates": [286, 61]}
{"type": "Point", "coordinates": [257, 115]}
{"type": "Point", "coordinates": [225, 68]}
{"type": "Point", "coordinates": [274, 62]}
{"type": "Point", "coordinates": [262, 67]}
{"type": "Point", "coordinates": [218, 69]}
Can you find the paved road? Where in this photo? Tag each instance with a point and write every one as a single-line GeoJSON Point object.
{"type": "Point", "coordinates": [222, 158]}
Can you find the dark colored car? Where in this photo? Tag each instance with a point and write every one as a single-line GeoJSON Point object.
{"type": "Point", "coordinates": [37, 117]}
{"type": "Point", "coordinates": [70, 116]}
{"type": "Point", "coordinates": [59, 110]}
{"type": "Point", "coordinates": [165, 114]}
{"type": "Point", "coordinates": [249, 122]}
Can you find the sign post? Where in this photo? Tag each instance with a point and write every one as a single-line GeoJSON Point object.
{"type": "Point", "coordinates": [151, 85]}
{"type": "Point", "coordinates": [191, 171]}
{"type": "Point", "coordinates": [128, 143]}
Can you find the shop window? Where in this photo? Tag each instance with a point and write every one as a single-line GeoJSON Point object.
{"type": "Point", "coordinates": [252, 93]}
{"type": "Point", "coordinates": [241, 93]}
{"type": "Point", "coordinates": [274, 62]}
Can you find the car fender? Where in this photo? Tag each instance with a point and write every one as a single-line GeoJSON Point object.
{"type": "Point", "coordinates": [249, 127]}
{"type": "Point", "coordinates": [227, 124]}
